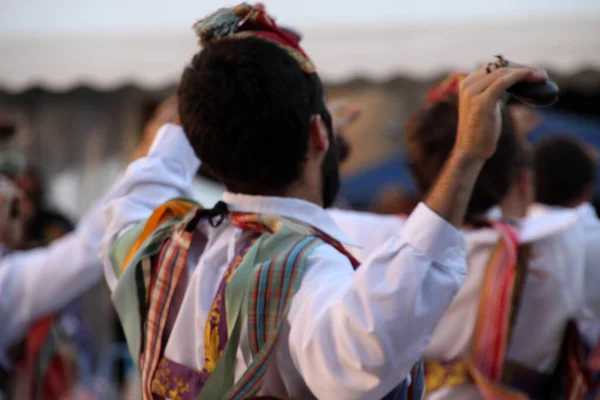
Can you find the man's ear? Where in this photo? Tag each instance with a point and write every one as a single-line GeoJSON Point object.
{"type": "Point", "coordinates": [318, 140]}
{"type": "Point", "coordinates": [588, 194]}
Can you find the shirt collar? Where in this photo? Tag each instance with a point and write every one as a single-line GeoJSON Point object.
{"type": "Point", "coordinates": [299, 210]}
{"type": "Point", "coordinates": [587, 210]}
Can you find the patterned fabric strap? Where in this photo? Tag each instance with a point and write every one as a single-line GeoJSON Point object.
{"type": "Point", "coordinates": [133, 256]}
{"type": "Point", "coordinates": [279, 256]}
{"type": "Point", "coordinates": [495, 307]}
{"type": "Point", "coordinates": [501, 293]}
{"type": "Point", "coordinates": [158, 254]}
{"type": "Point", "coordinates": [171, 264]}
{"type": "Point", "coordinates": [216, 330]}
{"type": "Point", "coordinates": [272, 287]}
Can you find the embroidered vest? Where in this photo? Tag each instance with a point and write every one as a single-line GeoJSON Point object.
{"type": "Point", "coordinates": [486, 366]}
{"type": "Point", "coordinates": [257, 286]}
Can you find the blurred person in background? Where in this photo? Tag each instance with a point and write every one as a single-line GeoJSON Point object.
{"type": "Point", "coordinates": [10, 163]}
{"type": "Point", "coordinates": [42, 224]}
{"type": "Point", "coordinates": [462, 359]}
{"type": "Point", "coordinates": [473, 354]}
{"type": "Point", "coordinates": [11, 229]}
{"type": "Point", "coordinates": [36, 285]}
{"type": "Point", "coordinates": [37, 326]}
{"type": "Point", "coordinates": [520, 194]}
{"type": "Point", "coordinates": [565, 178]}
{"type": "Point", "coordinates": [565, 175]}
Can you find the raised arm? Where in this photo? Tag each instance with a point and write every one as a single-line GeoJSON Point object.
{"type": "Point", "coordinates": [479, 126]}
{"type": "Point", "coordinates": [590, 225]}
{"type": "Point", "coordinates": [356, 336]}
{"type": "Point", "coordinates": [38, 282]}
{"type": "Point", "coordinates": [165, 173]}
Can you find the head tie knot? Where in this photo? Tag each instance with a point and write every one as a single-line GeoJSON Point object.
{"type": "Point", "coordinates": [245, 20]}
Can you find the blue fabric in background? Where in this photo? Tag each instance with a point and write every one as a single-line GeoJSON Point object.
{"type": "Point", "coordinates": [360, 189]}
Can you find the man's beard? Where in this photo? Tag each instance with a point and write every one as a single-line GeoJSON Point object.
{"type": "Point", "coordinates": [330, 174]}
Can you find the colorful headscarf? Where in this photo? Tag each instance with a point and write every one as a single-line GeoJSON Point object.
{"type": "Point", "coordinates": [246, 20]}
{"type": "Point", "coordinates": [449, 86]}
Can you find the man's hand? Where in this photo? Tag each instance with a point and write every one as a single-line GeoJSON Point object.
{"type": "Point", "coordinates": [342, 116]}
{"type": "Point", "coordinates": [479, 127]}
{"type": "Point", "coordinates": [479, 122]}
{"type": "Point", "coordinates": [166, 112]}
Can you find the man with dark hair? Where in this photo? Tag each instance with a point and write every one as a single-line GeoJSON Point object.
{"type": "Point", "coordinates": [565, 178]}
{"type": "Point", "coordinates": [430, 137]}
{"type": "Point", "coordinates": [506, 180]}
{"type": "Point", "coordinates": [42, 224]}
{"type": "Point", "coordinates": [257, 296]}
{"type": "Point", "coordinates": [499, 338]}
{"type": "Point", "coordinates": [565, 172]}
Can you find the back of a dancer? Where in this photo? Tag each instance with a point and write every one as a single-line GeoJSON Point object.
{"type": "Point", "coordinates": [526, 277]}
{"type": "Point", "coordinates": [257, 296]}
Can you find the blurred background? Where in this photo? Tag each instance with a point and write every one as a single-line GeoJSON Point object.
{"type": "Point", "coordinates": [79, 80]}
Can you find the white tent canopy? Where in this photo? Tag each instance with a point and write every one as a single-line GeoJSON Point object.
{"type": "Point", "coordinates": [148, 43]}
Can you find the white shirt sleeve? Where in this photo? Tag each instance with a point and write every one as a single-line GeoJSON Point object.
{"type": "Point", "coordinates": [591, 229]}
{"type": "Point", "coordinates": [165, 173]}
{"type": "Point", "coordinates": [581, 278]}
{"type": "Point", "coordinates": [38, 282]}
{"type": "Point", "coordinates": [357, 335]}
{"type": "Point", "coordinates": [369, 230]}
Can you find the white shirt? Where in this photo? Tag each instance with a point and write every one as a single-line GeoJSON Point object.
{"type": "Point", "coordinates": [42, 281]}
{"type": "Point", "coordinates": [590, 329]}
{"type": "Point", "coordinates": [558, 288]}
{"type": "Point", "coordinates": [207, 192]}
{"type": "Point", "coordinates": [349, 335]}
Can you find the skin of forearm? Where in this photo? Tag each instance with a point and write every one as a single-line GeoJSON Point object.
{"type": "Point", "coordinates": [451, 193]}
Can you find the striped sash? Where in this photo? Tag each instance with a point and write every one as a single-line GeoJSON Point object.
{"type": "Point", "coordinates": [171, 264]}
{"type": "Point", "coordinates": [272, 286]}
{"type": "Point", "coordinates": [502, 288]}
{"type": "Point", "coordinates": [273, 259]}
{"type": "Point", "coordinates": [496, 312]}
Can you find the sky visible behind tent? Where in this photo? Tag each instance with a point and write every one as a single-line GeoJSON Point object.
{"type": "Point", "coordinates": [135, 16]}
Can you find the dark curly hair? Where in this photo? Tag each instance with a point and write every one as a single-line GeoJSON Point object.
{"type": "Point", "coordinates": [563, 171]}
{"type": "Point", "coordinates": [430, 136]}
{"type": "Point", "coordinates": [246, 106]}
